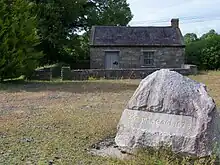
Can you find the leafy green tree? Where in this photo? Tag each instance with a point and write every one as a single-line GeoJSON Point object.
{"type": "Point", "coordinates": [60, 22]}
{"type": "Point", "coordinates": [18, 39]}
{"type": "Point", "coordinates": [190, 37]}
{"type": "Point", "coordinates": [211, 53]}
{"type": "Point", "coordinates": [193, 52]}
{"type": "Point", "coordinates": [111, 12]}
{"type": "Point", "coordinates": [204, 51]}
{"type": "Point", "coordinates": [210, 34]}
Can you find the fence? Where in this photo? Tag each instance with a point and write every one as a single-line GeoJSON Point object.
{"type": "Point", "coordinates": [42, 74]}
{"type": "Point", "coordinates": [139, 73]}
{"type": "Point", "coordinates": [66, 73]}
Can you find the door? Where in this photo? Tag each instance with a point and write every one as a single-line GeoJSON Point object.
{"type": "Point", "coordinates": [112, 60]}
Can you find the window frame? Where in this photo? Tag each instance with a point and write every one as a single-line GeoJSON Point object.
{"type": "Point", "coordinates": [148, 55]}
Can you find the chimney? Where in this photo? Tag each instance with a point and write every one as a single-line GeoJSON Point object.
{"type": "Point", "coordinates": [175, 22]}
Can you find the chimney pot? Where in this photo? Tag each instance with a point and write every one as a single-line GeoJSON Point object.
{"type": "Point", "coordinates": [175, 22]}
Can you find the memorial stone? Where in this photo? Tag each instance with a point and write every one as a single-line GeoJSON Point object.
{"type": "Point", "coordinates": [169, 109]}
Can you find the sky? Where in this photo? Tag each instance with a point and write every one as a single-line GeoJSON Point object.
{"type": "Point", "coordinates": [195, 16]}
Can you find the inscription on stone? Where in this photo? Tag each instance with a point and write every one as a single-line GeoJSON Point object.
{"type": "Point", "coordinates": [159, 122]}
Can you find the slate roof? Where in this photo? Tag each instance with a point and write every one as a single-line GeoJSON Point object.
{"type": "Point", "coordinates": [136, 36]}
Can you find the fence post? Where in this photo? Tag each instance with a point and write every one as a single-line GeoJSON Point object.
{"type": "Point", "coordinates": [193, 69]}
{"type": "Point", "coordinates": [50, 74]}
{"type": "Point", "coordinates": [65, 73]}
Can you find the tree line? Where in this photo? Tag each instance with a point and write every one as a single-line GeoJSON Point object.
{"type": "Point", "coordinates": [35, 33]}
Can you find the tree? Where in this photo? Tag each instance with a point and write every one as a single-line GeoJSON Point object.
{"type": "Point", "coordinates": [193, 52]}
{"type": "Point", "coordinates": [210, 34]}
{"type": "Point", "coordinates": [204, 51]}
{"type": "Point", "coordinates": [111, 12]}
{"type": "Point", "coordinates": [190, 37]}
{"type": "Point", "coordinates": [18, 39]}
{"type": "Point", "coordinates": [60, 22]}
{"type": "Point", "coordinates": [211, 53]}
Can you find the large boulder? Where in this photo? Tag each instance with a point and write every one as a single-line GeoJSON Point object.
{"type": "Point", "coordinates": [168, 109]}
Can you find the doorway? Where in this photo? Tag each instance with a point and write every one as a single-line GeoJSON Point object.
{"type": "Point", "coordinates": [111, 59]}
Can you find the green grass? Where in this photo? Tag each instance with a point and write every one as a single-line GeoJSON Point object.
{"type": "Point", "coordinates": [58, 121]}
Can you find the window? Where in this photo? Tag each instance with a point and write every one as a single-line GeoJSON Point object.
{"type": "Point", "coordinates": [148, 58]}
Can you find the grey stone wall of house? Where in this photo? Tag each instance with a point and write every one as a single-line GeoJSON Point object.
{"type": "Point", "coordinates": [138, 73]}
{"type": "Point", "coordinates": [130, 57]}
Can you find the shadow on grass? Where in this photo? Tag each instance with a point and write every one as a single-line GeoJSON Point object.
{"type": "Point", "coordinates": [74, 87]}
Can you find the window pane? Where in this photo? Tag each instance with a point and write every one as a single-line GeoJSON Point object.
{"type": "Point", "coordinates": [148, 58]}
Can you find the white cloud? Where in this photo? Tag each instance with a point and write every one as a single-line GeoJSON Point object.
{"type": "Point", "coordinates": [198, 16]}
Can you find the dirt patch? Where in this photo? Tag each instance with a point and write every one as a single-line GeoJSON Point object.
{"type": "Point", "coordinates": [108, 148]}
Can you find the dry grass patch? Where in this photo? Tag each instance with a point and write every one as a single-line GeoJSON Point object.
{"type": "Point", "coordinates": [57, 122]}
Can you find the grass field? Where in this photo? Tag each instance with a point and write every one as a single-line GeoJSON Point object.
{"type": "Point", "coordinates": [54, 123]}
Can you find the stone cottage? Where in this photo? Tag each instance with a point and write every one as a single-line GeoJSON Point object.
{"type": "Point", "coordinates": [115, 47]}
